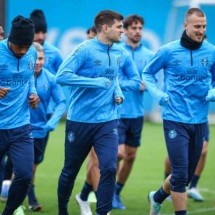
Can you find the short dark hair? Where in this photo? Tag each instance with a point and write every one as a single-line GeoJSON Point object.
{"type": "Point", "coordinates": [93, 29]}
{"type": "Point", "coordinates": [194, 10]}
{"type": "Point", "coordinates": [133, 18]}
{"type": "Point", "coordinates": [106, 17]}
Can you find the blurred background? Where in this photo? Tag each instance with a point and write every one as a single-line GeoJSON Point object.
{"type": "Point", "coordinates": [68, 21]}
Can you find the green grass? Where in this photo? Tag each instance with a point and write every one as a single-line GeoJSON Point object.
{"type": "Point", "coordinates": [147, 175]}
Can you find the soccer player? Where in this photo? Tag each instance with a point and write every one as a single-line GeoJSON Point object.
{"type": "Point", "coordinates": [47, 89]}
{"type": "Point", "coordinates": [1, 32]}
{"type": "Point", "coordinates": [91, 71]}
{"type": "Point", "coordinates": [93, 174]}
{"type": "Point", "coordinates": [189, 69]}
{"type": "Point", "coordinates": [53, 59]}
{"type": "Point", "coordinates": [91, 32]}
{"type": "Point", "coordinates": [17, 96]}
{"type": "Point", "coordinates": [129, 80]}
{"type": "Point", "coordinates": [53, 56]}
{"type": "Point", "coordinates": [132, 110]}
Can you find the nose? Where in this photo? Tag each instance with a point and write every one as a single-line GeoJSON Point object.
{"type": "Point", "coordinates": [202, 30]}
{"type": "Point", "coordinates": [23, 51]}
{"type": "Point", "coordinates": [37, 61]}
{"type": "Point", "coordinates": [40, 35]}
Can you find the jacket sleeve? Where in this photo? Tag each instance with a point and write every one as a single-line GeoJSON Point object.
{"type": "Point", "coordinates": [32, 88]}
{"type": "Point", "coordinates": [67, 73]}
{"type": "Point", "coordinates": [131, 79]}
{"type": "Point", "coordinates": [118, 91]}
{"type": "Point", "coordinates": [59, 99]}
{"type": "Point", "coordinates": [148, 75]}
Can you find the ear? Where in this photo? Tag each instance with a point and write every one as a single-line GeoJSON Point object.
{"type": "Point", "coordinates": [185, 25]}
{"type": "Point", "coordinates": [105, 27]}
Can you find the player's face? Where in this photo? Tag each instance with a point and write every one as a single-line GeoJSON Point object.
{"type": "Point", "coordinates": [195, 27]}
{"type": "Point", "coordinates": [19, 51]}
{"type": "Point", "coordinates": [1, 33]}
{"type": "Point", "coordinates": [39, 62]}
{"type": "Point", "coordinates": [134, 32]}
{"type": "Point", "coordinates": [115, 31]}
{"type": "Point", "coordinates": [40, 37]}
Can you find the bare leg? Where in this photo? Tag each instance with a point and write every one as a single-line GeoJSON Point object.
{"type": "Point", "coordinates": [179, 199]}
{"type": "Point", "coordinates": [202, 159]}
{"type": "Point", "coordinates": [167, 167]}
{"type": "Point", "coordinates": [93, 173]}
{"type": "Point", "coordinates": [126, 164]}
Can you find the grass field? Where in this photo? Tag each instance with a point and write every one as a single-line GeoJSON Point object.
{"type": "Point", "coordinates": [147, 175]}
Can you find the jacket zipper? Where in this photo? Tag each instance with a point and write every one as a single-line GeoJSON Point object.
{"type": "Point", "coordinates": [191, 57]}
{"type": "Point", "coordinates": [18, 65]}
{"type": "Point", "coordinates": [109, 55]}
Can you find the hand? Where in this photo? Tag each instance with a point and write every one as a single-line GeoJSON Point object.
{"type": "Point", "coordinates": [48, 128]}
{"type": "Point", "coordinates": [164, 100]}
{"type": "Point", "coordinates": [211, 95]}
{"type": "Point", "coordinates": [118, 100]}
{"type": "Point", "coordinates": [34, 100]}
{"type": "Point", "coordinates": [3, 92]}
{"type": "Point", "coordinates": [143, 87]}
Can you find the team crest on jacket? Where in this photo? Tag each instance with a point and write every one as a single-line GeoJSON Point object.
{"type": "Point", "coordinates": [70, 136]}
{"type": "Point", "coordinates": [177, 62]}
{"type": "Point", "coordinates": [30, 65]}
{"type": "Point", "coordinates": [3, 66]}
{"type": "Point", "coordinates": [172, 134]}
{"type": "Point", "coordinates": [204, 61]}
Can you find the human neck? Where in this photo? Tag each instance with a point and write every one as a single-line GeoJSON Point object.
{"type": "Point", "coordinates": [104, 39]}
{"type": "Point", "coordinates": [132, 44]}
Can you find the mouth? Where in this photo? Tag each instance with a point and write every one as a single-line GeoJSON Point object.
{"type": "Point", "coordinates": [137, 37]}
{"type": "Point", "coordinates": [39, 41]}
{"type": "Point", "coordinates": [200, 36]}
{"type": "Point", "coordinates": [37, 67]}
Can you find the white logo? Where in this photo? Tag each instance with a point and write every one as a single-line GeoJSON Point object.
{"type": "Point", "coordinates": [31, 135]}
{"type": "Point", "coordinates": [70, 136]}
{"type": "Point", "coordinates": [172, 134]}
{"type": "Point", "coordinates": [115, 131]}
{"type": "Point", "coordinates": [31, 65]}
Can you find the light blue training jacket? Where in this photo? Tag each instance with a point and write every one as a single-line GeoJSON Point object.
{"type": "Point", "coordinates": [88, 70]}
{"type": "Point", "coordinates": [187, 79]}
{"type": "Point", "coordinates": [47, 89]}
{"type": "Point", "coordinates": [133, 106]}
{"type": "Point", "coordinates": [18, 75]}
{"type": "Point", "coordinates": [53, 58]}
